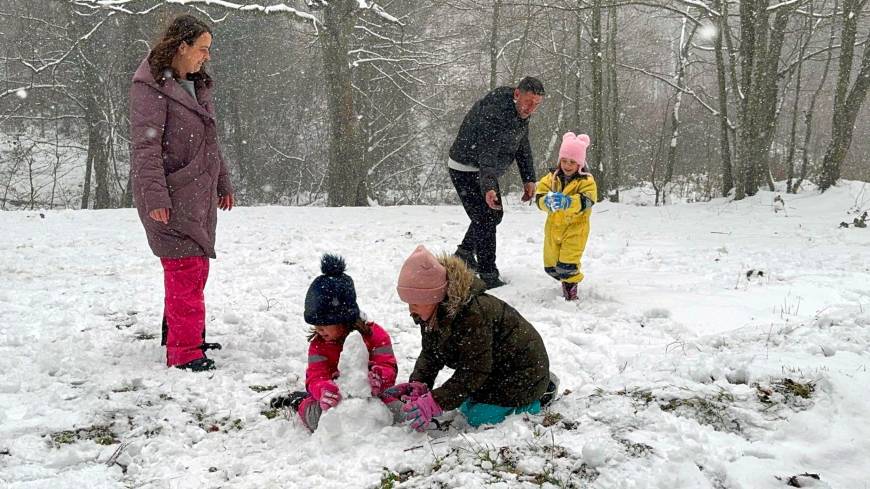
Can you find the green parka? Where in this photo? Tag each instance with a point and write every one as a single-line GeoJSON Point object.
{"type": "Point", "coordinates": [498, 357]}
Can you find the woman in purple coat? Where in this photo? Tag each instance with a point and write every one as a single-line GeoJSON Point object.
{"type": "Point", "coordinates": [179, 179]}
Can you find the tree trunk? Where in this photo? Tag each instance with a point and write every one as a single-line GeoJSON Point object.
{"type": "Point", "coordinates": [745, 185]}
{"type": "Point", "coordinates": [346, 172]}
{"type": "Point", "coordinates": [97, 154]}
{"type": "Point", "coordinates": [598, 170]}
{"type": "Point", "coordinates": [810, 111]}
{"type": "Point", "coordinates": [769, 99]}
{"type": "Point", "coordinates": [615, 109]}
{"type": "Point", "coordinates": [847, 103]}
{"type": "Point", "coordinates": [493, 45]}
{"type": "Point", "coordinates": [86, 185]}
{"type": "Point", "coordinates": [724, 137]}
{"type": "Point", "coordinates": [682, 53]}
{"type": "Point", "coordinates": [792, 145]}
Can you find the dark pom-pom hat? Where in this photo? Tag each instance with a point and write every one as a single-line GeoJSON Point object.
{"type": "Point", "coordinates": [331, 298]}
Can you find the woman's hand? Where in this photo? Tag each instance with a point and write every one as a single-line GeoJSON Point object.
{"type": "Point", "coordinates": [160, 215]}
{"type": "Point", "coordinates": [226, 202]}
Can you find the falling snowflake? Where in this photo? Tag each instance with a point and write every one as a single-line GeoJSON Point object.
{"type": "Point", "coordinates": [22, 93]}
{"type": "Point", "coordinates": [150, 132]}
{"type": "Point", "coordinates": [708, 32]}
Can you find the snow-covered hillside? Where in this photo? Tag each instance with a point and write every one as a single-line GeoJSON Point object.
{"type": "Point", "coordinates": [717, 345]}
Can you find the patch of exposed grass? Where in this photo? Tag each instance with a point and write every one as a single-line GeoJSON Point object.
{"type": "Point", "coordinates": [551, 418]}
{"type": "Point", "coordinates": [270, 413]}
{"type": "Point", "coordinates": [633, 449]}
{"type": "Point", "coordinates": [212, 425]}
{"type": "Point", "coordinates": [786, 392]}
{"type": "Point", "coordinates": [262, 388]}
{"type": "Point", "coordinates": [713, 411]}
{"type": "Point", "coordinates": [389, 479]}
{"type": "Point", "coordinates": [585, 473]}
{"type": "Point", "coordinates": [99, 434]}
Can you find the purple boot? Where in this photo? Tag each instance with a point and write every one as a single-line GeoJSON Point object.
{"type": "Point", "coordinates": [569, 291]}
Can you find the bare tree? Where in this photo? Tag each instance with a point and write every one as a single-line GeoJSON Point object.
{"type": "Point", "coordinates": [848, 100]}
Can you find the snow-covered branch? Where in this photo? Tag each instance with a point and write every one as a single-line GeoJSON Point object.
{"type": "Point", "coordinates": [122, 5]}
{"type": "Point", "coordinates": [679, 88]}
{"type": "Point", "coordinates": [72, 48]}
{"type": "Point", "coordinates": [22, 92]}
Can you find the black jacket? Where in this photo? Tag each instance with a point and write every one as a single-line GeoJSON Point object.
{"type": "Point", "coordinates": [492, 136]}
{"type": "Point", "coordinates": [497, 356]}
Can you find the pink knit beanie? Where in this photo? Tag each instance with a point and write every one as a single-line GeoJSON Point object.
{"type": "Point", "coordinates": [422, 279]}
{"type": "Point", "coordinates": [574, 148]}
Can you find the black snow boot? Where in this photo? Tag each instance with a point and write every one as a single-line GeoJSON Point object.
{"type": "Point", "coordinates": [291, 400]}
{"type": "Point", "coordinates": [552, 391]}
{"type": "Point", "coordinates": [210, 346]}
{"type": "Point", "coordinates": [467, 256]}
{"type": "Point", "coordinates": [199, 365]}
{"type": "Point", "coordinates": [492, 280]}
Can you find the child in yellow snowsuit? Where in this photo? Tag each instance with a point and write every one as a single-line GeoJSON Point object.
{"type": "Point", "coordinates": [567, 194]}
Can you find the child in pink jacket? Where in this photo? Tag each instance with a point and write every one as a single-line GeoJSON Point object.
{"type": "Point", "coordinates": [331, 309]}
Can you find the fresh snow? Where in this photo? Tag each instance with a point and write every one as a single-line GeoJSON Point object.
{"type": "Point", "coordinates": [690, 321]}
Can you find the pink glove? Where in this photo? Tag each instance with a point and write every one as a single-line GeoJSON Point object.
{"type": "Point", "coordinates": [420, 411]}
{"type": "Point", "coordinates": [327, 394]}
{"type": "Point", "coordinates": [409, 391]}
{"type": "Point", "coordinates": [379, 379]}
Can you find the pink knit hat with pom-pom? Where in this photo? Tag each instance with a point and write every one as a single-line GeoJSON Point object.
{"type": "Point", "coordinates": [574, 148]}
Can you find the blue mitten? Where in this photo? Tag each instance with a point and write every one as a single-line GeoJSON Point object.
{"type": "Point", "coordinates": [557, 201]}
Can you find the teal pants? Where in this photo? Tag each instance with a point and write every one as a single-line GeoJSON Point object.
{"type": "Point", "coordinates": [479, 413]}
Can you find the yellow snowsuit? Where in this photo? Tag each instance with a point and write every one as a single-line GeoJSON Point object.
{"type": "Point", "coordinates": [566, 231]}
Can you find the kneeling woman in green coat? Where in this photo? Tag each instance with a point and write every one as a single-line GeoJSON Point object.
{"type": "Point", "coordinates": [500, 363]}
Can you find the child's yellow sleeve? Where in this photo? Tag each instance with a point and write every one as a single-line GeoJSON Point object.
{"type": "Point", "coordinates": [543, 187]}
{"type": "Point", "coordinates": [587, 187]}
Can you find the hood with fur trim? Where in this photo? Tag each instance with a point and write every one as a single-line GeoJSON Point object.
{"type": "Point", "coordinates": [462, 284]}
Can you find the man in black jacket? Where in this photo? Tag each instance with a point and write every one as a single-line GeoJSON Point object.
{"type": "Point", "coordinates": [494, 133]}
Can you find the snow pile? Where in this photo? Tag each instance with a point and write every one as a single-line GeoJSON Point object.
{"type": "Point", "coordinates": [359, 415]}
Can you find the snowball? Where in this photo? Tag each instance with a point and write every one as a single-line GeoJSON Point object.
{"type": "Point", "coordinates": [594, 454]}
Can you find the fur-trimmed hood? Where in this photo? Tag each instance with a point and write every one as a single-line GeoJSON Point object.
{"type": "Point", "coordinates": [462, 284]}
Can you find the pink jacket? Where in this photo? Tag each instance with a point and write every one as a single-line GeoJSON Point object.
{"type": "Point", "coordinates": [323, 359]}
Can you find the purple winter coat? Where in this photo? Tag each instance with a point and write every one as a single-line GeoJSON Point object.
{"type": "Point", "coordinates": [176, 163]}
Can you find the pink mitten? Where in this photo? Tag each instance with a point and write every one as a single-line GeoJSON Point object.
{"type": "Point", "coordinates": [380, 378]}
{"type": "Point", "coordinates": [420, 411]}
{"type": "Point", "coordinates": [406, 392]}
{"type": "Point", "coordinates": [327, 394]}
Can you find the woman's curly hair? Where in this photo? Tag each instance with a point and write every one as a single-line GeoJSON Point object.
{"type": "Point", "coordinates": [183, 28]}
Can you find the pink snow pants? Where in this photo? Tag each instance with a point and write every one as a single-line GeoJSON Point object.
{"type": "Point", "coordinates": [184, 281]}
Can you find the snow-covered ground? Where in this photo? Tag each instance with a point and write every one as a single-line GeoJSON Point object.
{"type": "Point", "coordinates": [718, 345]}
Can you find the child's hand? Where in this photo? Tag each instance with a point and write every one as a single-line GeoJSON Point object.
{"type": "Point", "coordinates": [557, 201]}
{"type": "Point", "coordinates": [407, 392]}
{"type": "Point", "coordinates": [329, 395]}
{"type": "Point", "coordinates": [420, 411]}
{"type": "Point", "coordinates": [377, 379]}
